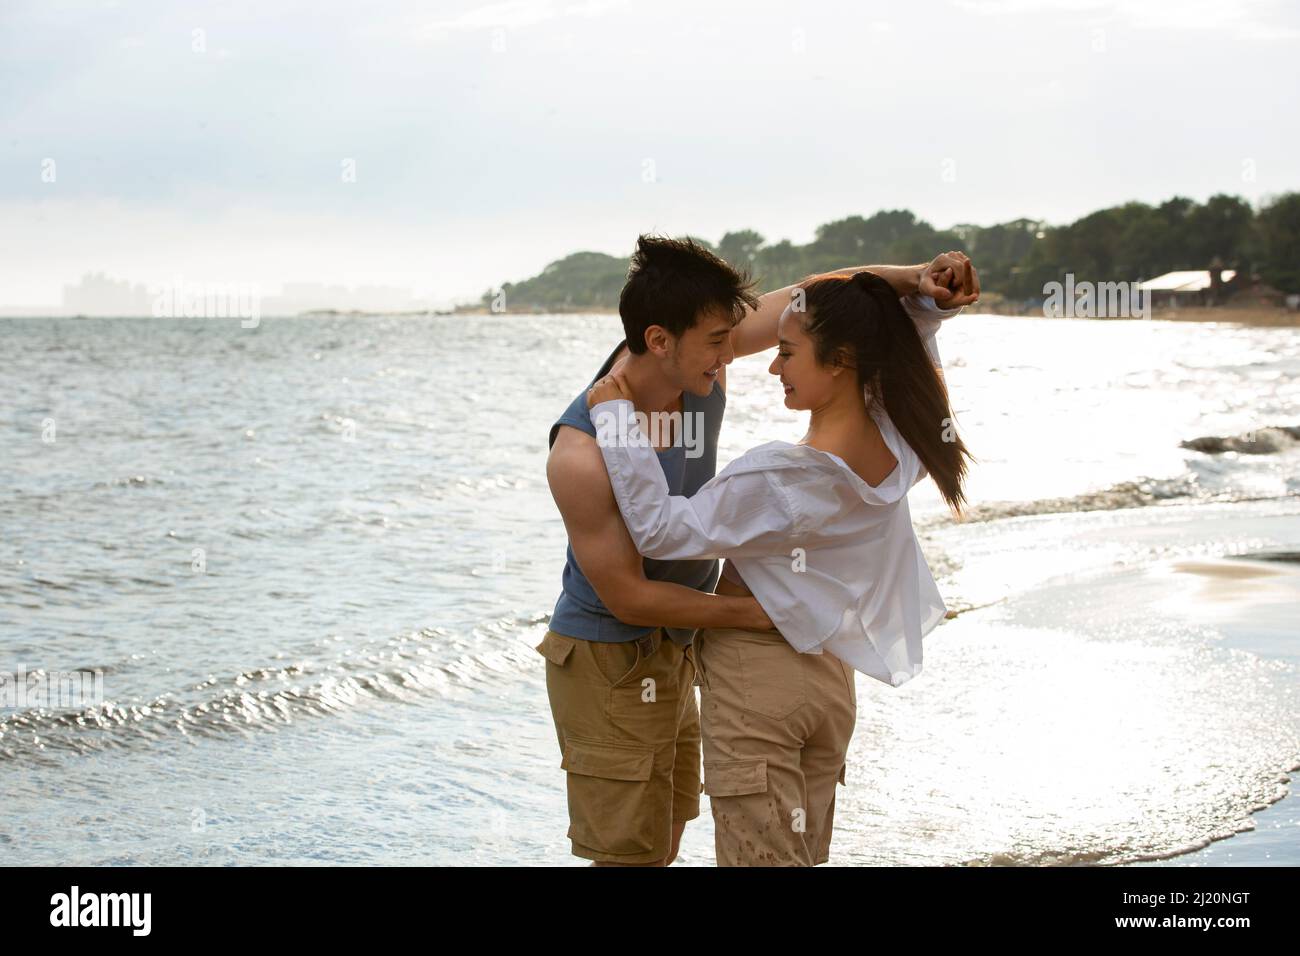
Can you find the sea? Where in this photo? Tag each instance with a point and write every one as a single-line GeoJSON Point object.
{"type": "Point", "coordinates": [300, 570]}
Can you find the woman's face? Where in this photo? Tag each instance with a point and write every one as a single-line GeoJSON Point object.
{"type": "Point", "coordinates": [807, 384]}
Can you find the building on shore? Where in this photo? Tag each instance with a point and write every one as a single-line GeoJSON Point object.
{"type": "Point", "coordinates": [1196, 287]}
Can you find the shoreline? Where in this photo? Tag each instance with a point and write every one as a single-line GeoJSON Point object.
{"type": "Point", "coordinates": [1257, 316]}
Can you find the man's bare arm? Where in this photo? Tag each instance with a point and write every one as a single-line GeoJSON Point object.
{"type": "Point", "coordinates": [940, 278]}
{"type": "Point", "coordinates": [607, 556]}
{"type": "Point", "coordinates": [756, 332]}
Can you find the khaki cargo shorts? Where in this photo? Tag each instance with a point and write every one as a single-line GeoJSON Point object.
{"type": "Point", "coordinates": [628, 726]}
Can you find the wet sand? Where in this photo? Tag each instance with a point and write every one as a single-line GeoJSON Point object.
{"type": "Point", "coordinates": [1256, 603]}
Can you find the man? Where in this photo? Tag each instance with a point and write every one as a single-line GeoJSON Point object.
{"type": "Point", "coordinates": [620, 672]}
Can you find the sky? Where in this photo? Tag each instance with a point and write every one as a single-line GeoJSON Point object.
{"type": "Point", "coordinates": [448, 147]}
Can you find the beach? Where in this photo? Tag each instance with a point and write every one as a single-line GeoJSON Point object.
{"type": "Point", "coordinates": [1260, 315]}
{"type": "Point", "coordinates": [312, 561]}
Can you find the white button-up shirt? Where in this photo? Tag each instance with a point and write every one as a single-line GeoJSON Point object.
{"type": "Point", "coordinates": [833, 560]}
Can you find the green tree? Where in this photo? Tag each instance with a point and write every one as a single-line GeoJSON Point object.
{"type": "Point", "coordinates": [858, 241]}
{"type": "Point", "coordinates": [583, 280]}
{"type": "Point", "coordinates": [741, 248]}
{"type": "Point", "coordinates": [998, 250]}
{"type": "Point", "coordinates": [1126, 242]}
{"type": "Point", "coordinates": [1277, 242]}
{"type": "Point", "coordinates": [780, 265]}
{"type": "Point", "coordinates": [1220, 229]}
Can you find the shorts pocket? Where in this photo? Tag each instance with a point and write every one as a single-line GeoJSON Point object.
{"type": "Point", "coordinates": [610, 796]}
{"type": "Point", "coordinates": [624, 661]}
{"type": "Point", "coordinates": [556, 648]}
{"type": "Point", "coordinates": [735, 778]}
{"type": "Point", "coordinates": [772, 678]}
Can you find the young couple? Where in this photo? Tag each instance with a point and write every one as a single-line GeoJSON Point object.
{"type": "Point", "coordinates": [823, 576]}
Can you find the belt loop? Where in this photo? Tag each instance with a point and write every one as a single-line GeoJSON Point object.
{"type": "Point", "coordinates": [646, 644]}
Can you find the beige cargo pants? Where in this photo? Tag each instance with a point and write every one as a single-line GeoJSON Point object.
{"type": "Point", "coordinates": [776, 726]}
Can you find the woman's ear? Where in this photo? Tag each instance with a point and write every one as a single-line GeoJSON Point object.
{"type": "Point", "coordinates": [843, 360]}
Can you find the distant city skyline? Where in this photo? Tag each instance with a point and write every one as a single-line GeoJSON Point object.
{"type": "Point", "coordinates": [446, 152]}
{"type": "Point", "coordinates": [101, 295]}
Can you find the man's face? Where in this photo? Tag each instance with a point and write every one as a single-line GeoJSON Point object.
{"type": "Point", "coordinates": [701, 352]}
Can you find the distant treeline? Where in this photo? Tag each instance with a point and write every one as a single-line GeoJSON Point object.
{"type": "Point", "coordinates": [1015, 259]}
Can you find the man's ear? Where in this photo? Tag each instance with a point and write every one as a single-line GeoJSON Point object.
{"type": "Point", "coordinates": [657, 340]}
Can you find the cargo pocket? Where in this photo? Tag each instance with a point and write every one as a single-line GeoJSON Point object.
{"type": "Point", "coordinates": [735, 778]}
{"type": "Point", "coordinates": [609, 796]}
{"type": "Point", "coordinates": [556, 648]}
{"type": "Point", "coordinates": [772, 677]}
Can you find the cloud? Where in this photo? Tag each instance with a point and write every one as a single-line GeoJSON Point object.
{"type": "Point", "coordinates": [514, 14]}
{"type": "Point", "coordinates": [1247, 19]}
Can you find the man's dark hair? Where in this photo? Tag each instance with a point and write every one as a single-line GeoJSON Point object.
{"type": "Point", "coordinates": [671, 282]}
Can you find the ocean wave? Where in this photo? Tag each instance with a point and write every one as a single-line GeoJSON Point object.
{"type": "Point", "coordinates": [1288, 557]}
{"type": "Point", "coordinates": [130, 481]}
{"type": "Point", "coordinates": [404, 669]}
{"type": "Point", "coordinates": [1125, 853]}
{"type": "Point", "coordinates": [1266, 441]}
{"type": "Point", "coordinates": [1143, 492]}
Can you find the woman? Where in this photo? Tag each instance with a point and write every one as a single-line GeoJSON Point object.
{"type": "Point", "coordinates": [821, 534]}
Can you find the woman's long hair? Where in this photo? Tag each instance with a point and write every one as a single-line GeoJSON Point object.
{"type": "Point", "coordinates": [857, 321]}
